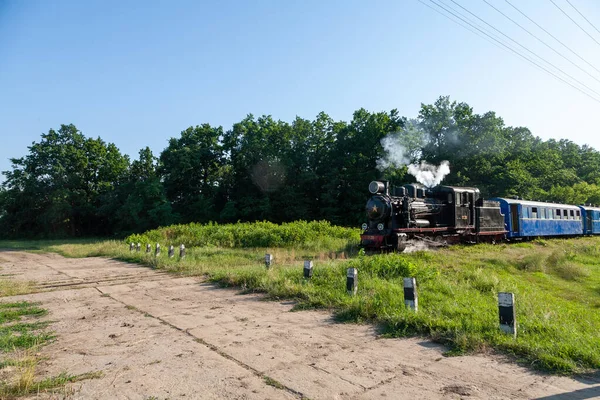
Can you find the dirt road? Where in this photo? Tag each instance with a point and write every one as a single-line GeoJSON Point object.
{"type": "Point", "coordinates": [157, 336]}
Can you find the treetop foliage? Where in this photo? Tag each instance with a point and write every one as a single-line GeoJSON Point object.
{"type": "Point", "coordinates": [266, 169]}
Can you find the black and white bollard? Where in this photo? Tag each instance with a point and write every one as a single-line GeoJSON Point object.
{"type": "Point", "coordinates": [352, 281]}
{"type": "Point", "coordinates": [171, 251]}
{"type": "Point", "coordinates": [148, 248]}
{"type": "Point", "coordinates": [410, 293]}
{"type": "Point", "coordinates": [157, 251]}
{"type": "Point", "coordinates": [268, 260]}
{"type": "Point", "coordinates": [308, 269]}
{"type": "Point", "coordinates": [181, 251]}
{"type": "Point", "coordinates": [506, 311]}
{"type": "Point", "coordinates": [131, 246]}
{"type": "Point", "coordinates": [138, 247]}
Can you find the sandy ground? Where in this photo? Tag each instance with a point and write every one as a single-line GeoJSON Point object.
{"type": "Point", "coordinates": [157, 336]}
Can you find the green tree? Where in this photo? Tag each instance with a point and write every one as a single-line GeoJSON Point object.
{"type": "Point", "coordinates": [55, 189]}
{"type": "Point", "coordinates": [191, 168]}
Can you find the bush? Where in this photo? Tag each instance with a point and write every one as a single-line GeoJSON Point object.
{"type": "Point", "coordinates": [254, 234]}
{"type": "Point", "coordinates": [391, 266]}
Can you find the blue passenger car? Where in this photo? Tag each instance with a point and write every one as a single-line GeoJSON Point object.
{"type": "Point", "coordinates": [531, 218]}
{"type": "Point", "coordinates": [591, 219]}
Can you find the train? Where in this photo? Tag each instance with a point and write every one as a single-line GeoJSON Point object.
{"type": "Point", "coordinates": [444, 215]}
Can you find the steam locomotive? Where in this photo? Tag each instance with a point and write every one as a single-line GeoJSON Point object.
{"type": "Point", "coordinates": [439, 215]}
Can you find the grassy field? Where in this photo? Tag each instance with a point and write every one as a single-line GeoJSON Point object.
{"type": "Point", "coordinates": [556, 285]}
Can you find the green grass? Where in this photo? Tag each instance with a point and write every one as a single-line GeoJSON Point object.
{"type": "Point", "coordinates": [21, 334]}
{"type": "Point", "coordinates": [26, 384]}
{"type": "Point", "coordinates": [556, 284]}
{"type": "Point", "coordinates": [17, 334]}
{"type": "Point", "coordinates": [309, 235]}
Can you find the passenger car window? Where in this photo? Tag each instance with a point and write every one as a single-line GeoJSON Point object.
{"type": "Point", "coordinates": [534, 213]}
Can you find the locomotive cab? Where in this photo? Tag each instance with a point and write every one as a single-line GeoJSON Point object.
{"type": "Point", "coordinates": [461, 204]}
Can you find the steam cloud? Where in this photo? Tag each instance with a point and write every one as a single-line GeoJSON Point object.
{"type": "Point", "coordinates": [395, 155]}
{"type": "Point", "coordinates": [429, 175]}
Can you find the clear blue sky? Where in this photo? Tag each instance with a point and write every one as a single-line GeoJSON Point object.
{"type": "Point", "coordinates": [138, 72]}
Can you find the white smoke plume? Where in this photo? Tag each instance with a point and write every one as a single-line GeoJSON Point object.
{"type": "Point", "coordinates": [429, 175]}
{"type": "Point", "coordinates": [395, 155]}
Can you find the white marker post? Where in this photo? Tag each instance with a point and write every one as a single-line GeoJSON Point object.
{"type": "Point", "coordinates": [181, 251]}
{"type": "Point", "coordinates": [506, 311]}
{"type": "Point", "coordinates": [131, 246]}
{"type": "Point", "coordinates": [157, 251]}
{"type": "Point", "coordinates": [171, 251]}
{"type": "Point", "coordinates": [148, 248]}
{"type": "Point", "coordinates": [410, 294]}
{"type": "Point", "coordinates": [352, 281]}
{"type": "Point", "coordinates": [139, 247]}
{"type": "Point", "coordinates": [268, 260]}
{"type": "Point", "coordinates": [308, 269]}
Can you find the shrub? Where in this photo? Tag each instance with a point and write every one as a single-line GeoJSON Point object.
{"type": "Point", "coordinates": [255, 234]}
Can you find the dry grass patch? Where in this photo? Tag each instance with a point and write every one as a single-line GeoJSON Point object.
{"type": "Point", "coordinates": [10, 287]}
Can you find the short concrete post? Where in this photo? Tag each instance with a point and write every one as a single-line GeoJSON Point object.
{"type": "Point", "coordinates": [352, 281]}
{"type": "Point", "coordinates": [268, 260]}
{"type": "Point", "coordinates": [157, 251]}
{"type": "Point", "coordinates": [181, 251]}
{"type": "Point", "coordinates": [138, 247]}
{"type": "Point", "coordinates": [506, 312]}
{"type": "Point", "coordinates": [410, 293]}
{"type": "Point", "coordinates": [308, 269]}
{"type": "Point", "coordinates": [148, 248]}
{"type": "Point", "coordinates": [171, 251]}
{"type": "Point", "coordinates": [131, 246]}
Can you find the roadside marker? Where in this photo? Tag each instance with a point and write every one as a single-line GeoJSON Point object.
{"type": "Point", "coordinates": [171, 251]}
{"type": "Point", "coordinates": [506, 311]}
{"type": "Point", "coordinates": [148, 248]}
{"type": "Point", "coordinates": [181, 251]}
{"type": "Point", "coordinates": [352, 281]}
{"type": "Point", "coordinates": [268, 260]}
{"type": "Point", "coordinates": [138, 247]}
{"type": "Point", "coordinates": [410, 294]}
{"type": "Point", "coordinates": [131, 246]}
{"type": "Point", "coordinates": [157, 252]}
{"type": "Point", "coordinates": [308, 269]}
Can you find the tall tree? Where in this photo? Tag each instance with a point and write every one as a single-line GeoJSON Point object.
{"type": "Point", "coordinates": [55, 189]}
{"type": "Point", "coordinates": [192, 168]}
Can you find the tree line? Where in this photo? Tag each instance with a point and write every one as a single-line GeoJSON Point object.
{"type": "Point", "coordinates": [69, 185]}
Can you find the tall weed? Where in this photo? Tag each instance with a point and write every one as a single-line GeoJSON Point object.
{"type": "Point", "coordinates": [315, 234]}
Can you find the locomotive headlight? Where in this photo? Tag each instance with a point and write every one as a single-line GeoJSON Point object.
{"type": "Point", "coordinates": [364, 226]}
{"type": "Point", "coordinates": [380, 226]}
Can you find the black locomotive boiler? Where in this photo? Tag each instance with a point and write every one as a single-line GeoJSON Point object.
{"type": "Point", "coordinates": [439, 215]}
